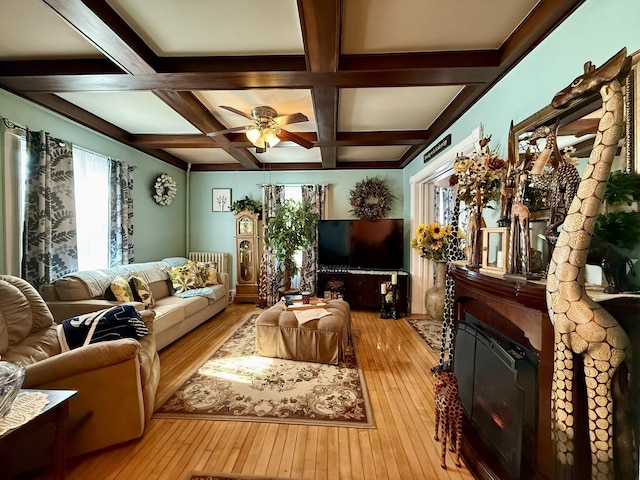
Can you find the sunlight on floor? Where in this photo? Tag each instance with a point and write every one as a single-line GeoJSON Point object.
{"type": "Point", "coordinates": [237, 369]}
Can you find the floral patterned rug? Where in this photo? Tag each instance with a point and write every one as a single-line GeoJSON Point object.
{"type": "Point", "coordinates": [237, 384]}
{"type": "Point", "coordinates": [429, 330]}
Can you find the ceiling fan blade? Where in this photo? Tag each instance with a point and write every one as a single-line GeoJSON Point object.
{"type": "Point", "coordinates": [292, 118]}
{"type": "Point", "coordinates": [226, 130]}
{"type": "Point", "coordinates": [239, 112]}
{"type": "Point", "coordinates": [286, 135]}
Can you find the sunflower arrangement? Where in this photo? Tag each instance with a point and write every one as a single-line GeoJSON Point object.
{"type": "Point", "coordinates": [431, 241]}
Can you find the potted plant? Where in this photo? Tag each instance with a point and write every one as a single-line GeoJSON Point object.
{"type": "Point", "coordinates": [291, 228]}
{"type": "Point", "coordinates": [247, 203]}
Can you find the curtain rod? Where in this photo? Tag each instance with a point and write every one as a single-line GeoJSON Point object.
{"type": "Point", "coordinates": [9, 124]}
{"type": "Point", "coordinates": [293, 184]}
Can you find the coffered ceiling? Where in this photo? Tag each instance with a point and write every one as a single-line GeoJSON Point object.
{"type": "Point", "coordinates": [378, 80]}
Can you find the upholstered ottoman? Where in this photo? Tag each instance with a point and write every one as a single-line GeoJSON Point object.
{"type": "Point", "coordinates": [324, 340]}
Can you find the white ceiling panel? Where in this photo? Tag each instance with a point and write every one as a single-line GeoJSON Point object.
{"type": "Point", "coordinates": [392, 108]}
{"type": "Point", "coordinates": [135, 112]}
{"type": "Point", "coordinates": [220, 27]}
{"type": "Point", "coordinates": [377, 153]}
{"type": "Point", "coordinates": [202, 155]}
{"type": "Point", "coordinates": [22, 35]}
{"type": "Point", "coordinates": [381, 26]}
{"type": "Point", "coordinates": [284, 101]}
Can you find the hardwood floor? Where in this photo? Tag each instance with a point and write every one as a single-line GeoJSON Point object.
{"type": "Point", "coordinates": [396, 366]}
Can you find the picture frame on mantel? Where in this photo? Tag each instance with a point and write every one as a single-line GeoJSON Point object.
{"type": "Point", "coordinates": [221, 199]}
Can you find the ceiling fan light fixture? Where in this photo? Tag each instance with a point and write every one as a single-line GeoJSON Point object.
{"type": "Point", "coordinates": [270, 136]}
{"type": "Point", "coordinates": [254, 134]}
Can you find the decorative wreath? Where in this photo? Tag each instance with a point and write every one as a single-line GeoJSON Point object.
{"type": "Point", "coordinates": [371, 199]}
{"type": "Point", "coordinates": [165, 189]}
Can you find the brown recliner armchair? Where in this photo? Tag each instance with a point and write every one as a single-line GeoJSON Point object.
{"type": "Point", "coordinates": [116, 380]}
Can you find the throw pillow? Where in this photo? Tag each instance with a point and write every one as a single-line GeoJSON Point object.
{"type": "Point", "coordinates": [121, 289]}
{"type": "Point", "coordinates": [208, 273]}
{"type": "Point", "coordinates": [185, 277]}
{"type": "Point", "coordinates": [122, 321]}
{"type": "Point", "coordinates": [141, 291]}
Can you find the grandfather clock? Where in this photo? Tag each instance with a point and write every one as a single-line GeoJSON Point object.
{"type": "Point", "coordinates": [246, 257]}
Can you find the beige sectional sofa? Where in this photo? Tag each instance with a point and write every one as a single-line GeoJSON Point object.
{"type": "Point", "coordinates": [84, 292]}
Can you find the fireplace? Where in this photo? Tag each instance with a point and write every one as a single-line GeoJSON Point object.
{"type": "Point", "coordinates": [498, 385]}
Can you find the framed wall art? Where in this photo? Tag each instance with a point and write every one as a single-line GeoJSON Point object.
{"type": "Point", "coordinates": [221, 199]}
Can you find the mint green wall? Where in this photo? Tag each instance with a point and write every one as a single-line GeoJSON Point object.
{"type": "Point", "coordinates": [153, 240]}
{"type": "Point", "coordinates": [596, 31]}
{"type": "Point", "coordinates": [214, 231]}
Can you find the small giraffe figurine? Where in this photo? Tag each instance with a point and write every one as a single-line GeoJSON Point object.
{"type": "Point", "coordinates": [448, 418]}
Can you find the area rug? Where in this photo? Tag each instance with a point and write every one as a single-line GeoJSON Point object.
{"type": "Point", "coordinates": [429, 330]}
{"type": "Point", "coordinates": [235, 383]}
{"type": "Point", "coordinates": [230, 476]}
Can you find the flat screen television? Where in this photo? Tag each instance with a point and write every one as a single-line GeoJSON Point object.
{"type": "Point", "coordinates": [372, 244]}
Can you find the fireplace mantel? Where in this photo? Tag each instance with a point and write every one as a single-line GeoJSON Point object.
{"type": "Point", "coordinates": [517, 309]}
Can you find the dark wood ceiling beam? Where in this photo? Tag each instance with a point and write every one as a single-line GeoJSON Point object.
{"type": "Point", "coordinates": [101, 26]}
{"type": "Point", "coordinates": [261, 63]}
{"type": "Point", "coordinates": [187, 105]}
{"type": "Point", "coordinates": [321, 27]}
{"type": "Point", "coordinates": [321, 24]}
{"type": "Point", "coordinates": [543, 19]}
{"type": "Point", "coordinates": [85, 66]}
{"type": "Point", "coordinates": [242, 80]}
{"type": "Point", "coordinates": [391, 137]}
{"type": "Point", "coordinates": [173, 141]}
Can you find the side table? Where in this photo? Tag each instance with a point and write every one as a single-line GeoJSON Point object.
{"type": "Point", "coordinates": [56, 411]}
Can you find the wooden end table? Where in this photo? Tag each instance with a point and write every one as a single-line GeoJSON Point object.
{"type": "Point", "coordinates": [56, 411]}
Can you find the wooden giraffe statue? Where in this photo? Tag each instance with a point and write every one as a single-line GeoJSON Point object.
{"type": "Point", "coordinates": [448, 418]}
{"type": "Point", "coordinates": [453, 253]}
{"type": "Point", "coordinates": [519, 235]}
{"type": "Point", "coordinates": [582, 327]}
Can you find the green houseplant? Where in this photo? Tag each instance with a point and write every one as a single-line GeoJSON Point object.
{"type": "Point", "coordinates": [291, 228]}
{"type": "Point", "coordinates": [247, 203]}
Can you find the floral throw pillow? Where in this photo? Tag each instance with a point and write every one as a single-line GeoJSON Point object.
{"type": "Point", "coordinates": [208, 273]}
{"type": "Point", "coordinates": [121, 289]}
{"type": "Point", "coordinates": [185, 277]}
{"type": "Point", "coordinates": [141, 291]}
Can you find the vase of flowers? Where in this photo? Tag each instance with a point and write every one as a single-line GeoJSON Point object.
{"type": "Point", "coordinates": [430, 242]}
{"type": "Point", "coordinates": [479, 178]}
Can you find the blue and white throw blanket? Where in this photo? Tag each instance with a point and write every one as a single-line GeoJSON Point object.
{"type": "Point", "coordinates": [122, 321]}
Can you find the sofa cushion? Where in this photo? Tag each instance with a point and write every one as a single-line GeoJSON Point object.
{"type": "Point", "coordinates": [185, 277]}
{"type": "Point", "coordinates": [141, 291]}
{"type": "Point", "coordinates": [121, 289]}
{"type": "Point", "coordinates": [71, 288]}
{"type": "Point", "coordinates": [208, 273]}
{"type": "Point", "coordinates": [168, 314]}
{"type": "Point", "coordinates": [191, 305]}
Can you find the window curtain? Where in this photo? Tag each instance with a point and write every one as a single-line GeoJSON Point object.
{"type": "Point", "coordinates": [120, 213]}
{"type": "Point", "coordinates": [313, 195]}
{"type": "Point", "coordinates": [443, 201]}
{"type": "Point", "coordinates": [50, 247]}
{"type": "Point", "coordinates": [270, 277]}
{"type": "Point", "coordinates": [12, 138]}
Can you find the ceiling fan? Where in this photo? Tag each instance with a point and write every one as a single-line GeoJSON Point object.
{"type": "Point", "coordinates": [266, 127]}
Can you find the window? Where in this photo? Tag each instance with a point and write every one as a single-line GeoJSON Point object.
{"type": "Point", "coordinates": [91, 183]}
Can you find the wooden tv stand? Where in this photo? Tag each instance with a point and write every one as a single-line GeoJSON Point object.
{"type": "Point", "coordinates": [362, 287]}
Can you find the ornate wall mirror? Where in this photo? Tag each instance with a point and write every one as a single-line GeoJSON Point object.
{"type": "Point", "coordinates": [575, 128]}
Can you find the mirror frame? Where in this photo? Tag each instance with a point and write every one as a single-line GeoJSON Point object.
{"type": "Point", "coordinates": [581, 107]}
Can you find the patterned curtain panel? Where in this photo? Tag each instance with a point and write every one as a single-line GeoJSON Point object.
{"type": "Point", "coordinates": [270, 277]}
{"type": "Point", "coordinates": [50, 248]}
{"type": "Point", "coordinates": [314, 195]}
{"type": "Point", "coordinates": [120, 213]}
